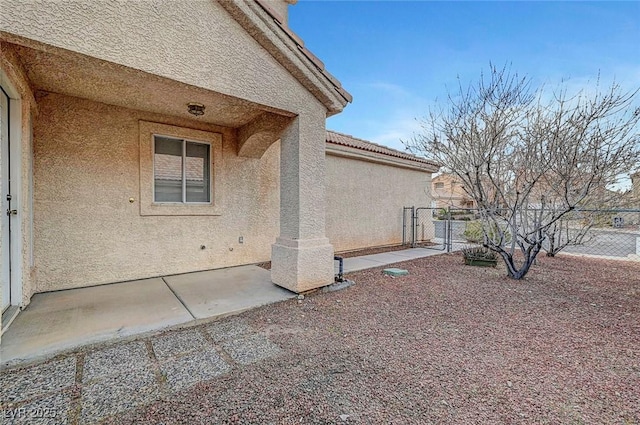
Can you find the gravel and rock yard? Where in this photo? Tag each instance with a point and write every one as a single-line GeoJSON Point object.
{"type": "Point", "coordinates": [447, 344]}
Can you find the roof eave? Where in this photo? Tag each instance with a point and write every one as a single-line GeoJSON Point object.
{"type": "Point", "coordinates": [374, 147]}
{"type": "Point", "coordinates": [290, 52]}
{"type": "Point", "coordinates": [369, 156]}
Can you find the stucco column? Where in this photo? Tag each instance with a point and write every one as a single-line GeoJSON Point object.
{"type": "Point", "coordinates": [302, 257]}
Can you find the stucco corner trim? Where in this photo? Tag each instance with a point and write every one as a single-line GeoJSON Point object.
{"type": "Point", "coordinates": [147, 206]}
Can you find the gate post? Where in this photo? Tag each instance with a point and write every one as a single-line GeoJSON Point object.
{"type": "Point", "coordinates": [414, 226]}
{"type": "Point", "coordinates": [404, 225]}
{"type": "Point", "coordinates": [406, 238]}
{"type": "Point", "coordinates": [447, 232]}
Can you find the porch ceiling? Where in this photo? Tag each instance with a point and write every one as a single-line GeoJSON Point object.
{"type": "Point", "coordinates": [89, 78]}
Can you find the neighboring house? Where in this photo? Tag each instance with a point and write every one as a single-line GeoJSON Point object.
{"type": "Point", "coordinates": [635, 188]}
{"type": "Point", "coordinates": [142, 139]}
{"type": "Point", "coordinates": [634, 197]}
{"type": "Point", "coordinates": [448, 192]}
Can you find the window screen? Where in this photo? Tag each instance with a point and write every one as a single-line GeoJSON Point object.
{"type": "Point", "coordinates": [181, 171]}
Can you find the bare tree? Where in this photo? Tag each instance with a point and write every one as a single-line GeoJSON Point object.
{"type": "Point", "coordinates": [528, 158]}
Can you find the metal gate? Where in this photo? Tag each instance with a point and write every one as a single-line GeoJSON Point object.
{"type": "Point", "coordinates": [407, 225]}
{"type": "Point", "coordinates": [426, 228]}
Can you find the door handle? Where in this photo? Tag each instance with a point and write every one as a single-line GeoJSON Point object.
{"type": "Point", "coordinates": [12, 212]}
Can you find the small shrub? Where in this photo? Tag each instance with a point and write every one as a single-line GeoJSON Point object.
{"type": "Point", "coordinates": [473, 233]}
{"type": "Point", "coordinates": [441, 214]}
{"type": "Point", "coordinates": [479, 253]}
{"type": "Point", "coordinates": [479, 256]}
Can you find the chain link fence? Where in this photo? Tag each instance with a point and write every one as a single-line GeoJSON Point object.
{"type": "Point", "coordinates": [602, 233]}
{"type": "Point", "coordinates": [422, 227]}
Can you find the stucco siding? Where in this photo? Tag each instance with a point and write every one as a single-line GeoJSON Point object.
{"type": "Point", "coordinates": [87, 232]}
{"type": "Point", "coordinates": [194, 42]}
{"type": "Point", "coordinates": [99, 70]}
{"type": "Point", "coordinates": [365, 200]}
{"type": "Point", "coordinates": [87, 160]}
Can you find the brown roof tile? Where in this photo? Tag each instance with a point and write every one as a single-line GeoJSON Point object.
{"type": "Point", "coordinates": [313, 58]}
{"type": "Point", "coordinates": [353, 142]}
{"type": "Point", "coordinates": [306, 52]}
{"type": "Point", "coordinates": [295, 37]}
{"type": "Point", "coordinates": [270, 10]}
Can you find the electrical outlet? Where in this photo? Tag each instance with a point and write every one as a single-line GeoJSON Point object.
{"type": "Point", "coordinates": [241, 239]}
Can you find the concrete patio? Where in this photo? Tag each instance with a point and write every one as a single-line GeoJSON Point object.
{"type": "Point", "coordinates": [63, 320]}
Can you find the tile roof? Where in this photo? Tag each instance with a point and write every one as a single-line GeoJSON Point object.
{"type": "Point", "coordinates": [353, 142]}
{"type": "Point", "coordinates": [306, 52]}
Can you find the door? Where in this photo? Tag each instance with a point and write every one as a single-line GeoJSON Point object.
{"type": "Point", "coordinates": [5, 212]}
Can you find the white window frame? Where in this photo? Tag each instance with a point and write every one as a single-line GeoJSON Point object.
{"type": "Point", "coordinates": [148, 206]}
{"type": "Point", "coordinates": [184, 170]}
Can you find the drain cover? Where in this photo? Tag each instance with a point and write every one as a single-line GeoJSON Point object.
{"type": "Point", "coordinates": [395, 272]}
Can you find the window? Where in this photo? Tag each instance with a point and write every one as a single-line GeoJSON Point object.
{"type": "Point", "coordinates": [181, 171]}
{"type": "Point", "coordinates": [439, 185]}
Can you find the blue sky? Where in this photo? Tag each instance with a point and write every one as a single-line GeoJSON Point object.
{"type": "Point", "coordinates": [396, 58]}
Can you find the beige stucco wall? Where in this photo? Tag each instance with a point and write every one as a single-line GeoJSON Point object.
{"type": "Point", "coordinates": [231, 48]}
{"type": "Point", "coordinates": [194, 42]}
{"type": "Point", "coordinates": [86, 167]}
{"type": "Point", "coordinates": [87, 154]}
{"type": "Point", "coordinates": [365, 200]}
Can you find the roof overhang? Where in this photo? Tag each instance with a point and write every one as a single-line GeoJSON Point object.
{"type": "Point", "coordinates": [53, 70]}
{"type": "Point", "coordinates": [378, 158]}
{"type": "Point", "coordinates": [289, 51]}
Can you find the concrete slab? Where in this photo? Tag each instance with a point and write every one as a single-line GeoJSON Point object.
{"type": "Point", "coordinates": [382, 259]}
{"type": "Point", "coordinates": [225, 291]}
{"type": "Point", "coordinates": [61, 320]}
{"type": "Point", "coordinates": [391, 257]}
{"type": "Point", "coordinates": [416, 253]}
{"type": "Point", "coordinates": [424, 253]}
{"type": "Point", "coordinates": [360, 263]}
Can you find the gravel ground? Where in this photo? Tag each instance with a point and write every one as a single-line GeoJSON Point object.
{"type": "Point", "coordinates": [106, 380]}
{"type": "Point", "coordinates": [446, 344]}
